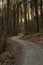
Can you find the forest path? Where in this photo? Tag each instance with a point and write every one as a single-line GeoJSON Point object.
{"type": "Point", "coordinates": [33, 53]}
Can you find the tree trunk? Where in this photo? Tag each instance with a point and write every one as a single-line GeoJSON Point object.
{"type": "Point", "coordinates": [41, 14]}
{"type": "Point", "coordinates": [14, 17]}
{"type": "Point", "coordinates": [36, 14]}
{"type": "Point", "coordinates": [25, 16]}
{"type": "Point", "coordinates": [17, 17]}
{"type": "Point", "coordinates": [8, 1]}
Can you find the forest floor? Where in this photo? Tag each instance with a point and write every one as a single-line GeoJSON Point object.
{"type": "Point", "coordinates": [22, 52]}
{"type": "Point", "coordinates": [37, 37]}
{"type": "Point", "coordinates": [12, 54]}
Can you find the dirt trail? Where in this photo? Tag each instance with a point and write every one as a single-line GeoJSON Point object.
{"type": "Point", "coordinates": [33, 53]}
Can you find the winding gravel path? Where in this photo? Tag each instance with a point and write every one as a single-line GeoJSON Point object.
{"type": "Point", "coordinates": [33, 53]}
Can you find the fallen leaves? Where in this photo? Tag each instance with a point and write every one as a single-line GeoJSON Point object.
{"type": "Point", "coordinates": [37, 37]}
{"type": "Point", "coordinates": [12, 53]}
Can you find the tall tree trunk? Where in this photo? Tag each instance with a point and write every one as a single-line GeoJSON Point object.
{"type": "Point", "coordinates": [28, 23]}
{"type": "Point", "coordinates": [8, 1]}
{"type": "Point", "coordinates": [33, 26]}
{"type": "Point", "coordinates": [32, 14]}
{"type": "Point", "coordinates": [17, 17]}
{"type": "Point", "coordinates": [36, 13]}
{"type": "Point", "coordinates": [25, 16]}
{"type": "Point", "coordinates": [41, 14]}
{"type": "Point", "coordinates": [14, 17]}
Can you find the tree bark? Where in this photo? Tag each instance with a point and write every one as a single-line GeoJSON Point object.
{"type": "Point", "coordinates": [36, 14]}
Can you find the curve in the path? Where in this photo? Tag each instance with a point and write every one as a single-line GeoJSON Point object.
{"type": "Point", "coordinates": [33, 54]}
